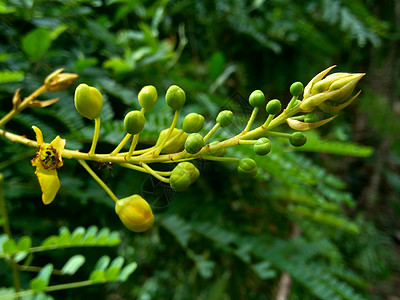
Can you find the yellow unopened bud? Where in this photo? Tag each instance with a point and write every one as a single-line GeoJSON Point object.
{"type": "Point", "coordinates": [333, 89]}
{"type": "Point", "coordinates": [135, 213]}
{"type": "Point", "coordinates": [58, 81]}
{"type": "Point", "coordinates": [177, 138]}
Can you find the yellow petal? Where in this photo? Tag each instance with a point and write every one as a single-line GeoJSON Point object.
{"type": "Point", "coordinates": [58, 144]}
{"type": "Point", "coordinates": [39, 135]}
{"type": "Point", "coordinates": [49, 183]}
{"type": "Point", "coordinates": [298, 125]}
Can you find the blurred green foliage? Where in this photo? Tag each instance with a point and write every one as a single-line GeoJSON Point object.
{"type": "Point", "coordinates": [330, 222]}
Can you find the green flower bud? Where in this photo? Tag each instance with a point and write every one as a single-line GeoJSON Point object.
{"type": "Point", "coordinates": [194, 143]}
{"type": "Point", "coordinates": [147, 97]}
{"type": "Point", "coordinates": [256, 98]}
{"type": "Point", "coordinates": [134, 122]}
{"type": "Point", "coordinates": [180, 179]}
{"type": "Point", "coordinates": [247, 166]}
{"type": "Point", "coordinates": [175, 97]}
{"type": "Point", "coordinates": [297, 139]}
{"type": "Point", "coordinates": [274, 107]}
{"type": "Point", "coordinates": [215, 152]}
{"type": "Point", "coordinates": [135, 213]}
{"type": "Point", "coordinates": [224, 118]}
{"type": "Point", "coordinates": [193, 123]}
{"type": "Point", "coordinates": [262, 146]}
{"type": "Point", "coordinates": [88, 101]}
{"type": "Point", "coordinates": [189, 167]}
{"type": "Point", "coordinates": [296, 89]}
{"type": "Point", "coordinates": [311, 117]}
{"type": "Point", "coordinates": [176, 145]}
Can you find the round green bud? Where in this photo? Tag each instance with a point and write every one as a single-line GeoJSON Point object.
{"type": "Point", "coordinates": [180, 179]}
{"type": "Point", "coordinates": [225, 118]}
{"type": "Point", "coordinates": [274, 107]}
{"type": "Point", "coordinates": [262, 146]}
{"type": "Point", "coordinates": [215, 152]}
{"type": "Point", "coordinates": [193, 123]}
{"type": "Point", "coordinates": [176, 145]}
{"type": "Point", "coordinates": [134, 122]}
{"type": "Point", "coordinates": [193, 171]}
{"type": "Point", "coordinates": [247, 166]}
{"type": "Point", "coordinates": [297, 139]}
{"type": "Point", "coordinates": [256, 98]}
{"type": "Point", "coordinates": [296, 89]}
{"type": "Point", "coordinates": [175, 97]}
{"type": "Point", "coordinates": [194, 143]}
{"type": "Point", "coordinates": [311, 117]}
{"type": "Point", "coordinates": [147, 97]}
{"type": "Point", "coordinates": [88, 101]}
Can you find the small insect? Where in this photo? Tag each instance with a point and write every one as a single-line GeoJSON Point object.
{"type": "Point", "coordinates": [103, 165]}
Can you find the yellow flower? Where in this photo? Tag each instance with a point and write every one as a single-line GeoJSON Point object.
{"type": "Point", "coordinates": [46, 161]}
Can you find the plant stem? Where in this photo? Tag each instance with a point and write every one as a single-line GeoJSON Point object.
{"type": "Point", "coordinates": [95, 136]}
{"type": "Point", "coordinates": [171, 128]}
{"type": "Point", "coordinates": [24, 104]}
{"type": "Point", "coordinates": [155, 174]}
{"type": "Point", "coordinates": [211, 132]}
{"type": "Point", "coordinates": [251, 120]}
{"type": "Point", "coordinates": [7, 230]}
{"type": "Point", "coordinates": [291, 102]}
{"type": "Point", "coordinates": [135, 140]}
{"type": "Point", "coordinates": [53, 288]}
{"type": "Point", "coordinates": [97, 178]}
{"type": "Point", "coordinates": [121, 145]}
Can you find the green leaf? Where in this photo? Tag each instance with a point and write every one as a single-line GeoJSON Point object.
{"type": "Point", "coordinates": [4, 9]}
{"type": "Point", "coordinates": [216, 65]}
{"type": "Point", "coordinates": [127, 271]}
{"type": "Point", "coordinates": [114, 239]}
{"type": "Point", "coordinates": [3, 238]}
{"type": "Point", "coordinates": [90, 236]}
{"type": "Point", "coordinates": [263, 270]}
{"type": "Point", "coordinates": [102, 237]}
{"type": "Point", "coordinates": [24, 243]}
{"type": "Point", "coordinates": [73, 264]}
{"type": "Point", "coordinates": [97, 276]}
{"type": "Point", "coordinates": [50, 242]}
{"type": "Point", "coordinates": [77, 236]}
{"type": "Point", "coordinates": [102, 263]}
{"type": "Point", "coordinates": [38, 285]}
{"type": "Point", "coordinates": [10, 247]}
{"type": "Point", "coordinates": [45, 273]}
{"type": "Point", "coordinates": [36, 43]}
{"type": "Point", "coordinates": [40, 282]}
{"type": "Point", "coordinates": [112, 273]}
{"type": "Point", "coordinates": [11, 76]}
{"type": "Point", "coordinates": [64, 237]}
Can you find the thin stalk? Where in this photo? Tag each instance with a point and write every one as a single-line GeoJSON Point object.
{"type": "Point", "coordinates": [269, 119]}
{"type": "Point", "coordinates": [171, 128]}
{"type": "Point", "coordinates": [291, 102]}
{"type": "Point", "coordinates": [121, 144]}
{"type": "Point", "coordinates": [211, 132]}
{"type": "Point", "coordinates": [99, 181]}
{"type": "Point", "coordinates": [24, 104]}
{"type": "Point", "coordinates": [52, 288]}
{"type": "Point", "coordinates": [155, 174]}
{"type": "Point", "coordinates": [251, 120]}
{"type": "Point", "coordinates": [133, 146]}
{"type": "Point", "coordinates": [95, 136]}
{"type": "Point", "coordinates": [7, 230]}
{"type": "Point", "coordinates": [246, 142]}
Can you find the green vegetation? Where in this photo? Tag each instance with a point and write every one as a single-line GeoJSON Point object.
{"type": "Point", "coordinates": [319, 221]}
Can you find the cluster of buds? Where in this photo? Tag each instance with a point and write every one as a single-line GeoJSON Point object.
{"type": "Point", "coordinates": [185, 144]}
